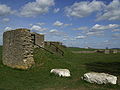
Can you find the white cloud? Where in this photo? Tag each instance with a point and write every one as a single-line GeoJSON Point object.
{"type": "Point", "coordinates": [102, 27]}
{"type": "Point", "coordinates": [68, 24]}
{"type": "Point", "coordinates": [5, 10]}
{"type": "Point", "coordinates": [65, 39]}
{"type": "Point", "coordinates": [111, 12]}
{"type": "Point", "coordinates": [84, 8]}
{"type": "Point", "coordinates": [53, 31]}
{"type": "Point", "coordinates": [30, 24]}
{"type": "Point", "coordinates": [98, 33]}
{"type": "Point", "coordinates": [56, 10]}
{"type": "Point", "coordinates": [116, 35]}
{"type": "Point", "coordinates": [8, 28]}
{"type": "Point", "coordinates": [6, 20]}
{"type": "Point", "coordinates": [38, 28]}
{"type": "Point", "coordinates": [80, 37]}
{"type": "Point", "coordinates": [40, 23]}
{"type": "Point", "coordinates": [106, 41]}
{"type": "Point", "coordinates": [116, 30]}
{"type": "Point", "coordinates": [81, 28]}
{"type": "Point", "coordinates": [58, 23]}
{"type": "Point", "coordinates": [104, 11]}
{"type": "Point", "coordinates": [38, 7]}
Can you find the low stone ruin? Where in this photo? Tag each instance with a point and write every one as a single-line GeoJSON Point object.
{"type": "Point", "coordinates": [100, 78]}
{"type": "Point", "coordinates": [107, 51]}
{"type": "Point", "coordinates": [18, 46]}
{"type": "Point", "coordinates": [84, 51]}
{"type": "Point", "coordinates": [115, 51]}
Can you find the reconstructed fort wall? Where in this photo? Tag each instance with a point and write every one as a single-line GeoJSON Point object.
{"type": "Point", "coordinates": [47, 43]}
{"type": "Point", "coordinates": [38, 39]}
{"type": "Point", "coordinates": [18, 49]}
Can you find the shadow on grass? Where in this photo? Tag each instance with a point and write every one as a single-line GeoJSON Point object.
{"type": "Point", "coordinates": [111, 68]}
{"type": "Point", "coordinates": [4, 89]}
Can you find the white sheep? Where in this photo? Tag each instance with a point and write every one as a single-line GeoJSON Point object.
{"type": "Point", "coordinates": [61, 72]}
{"type": "Point", "coordinates": [99, 78]}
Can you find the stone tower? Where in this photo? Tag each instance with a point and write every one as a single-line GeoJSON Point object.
{"type": "Point", "coordinates": [18, 49]}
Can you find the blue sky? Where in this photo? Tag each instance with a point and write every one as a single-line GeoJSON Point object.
{"type": "Point", "coordinates": [78, 23]}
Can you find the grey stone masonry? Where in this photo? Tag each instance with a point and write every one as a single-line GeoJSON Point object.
{"type": "Point", "coordinates": [47, 43]}
{"type": "Point", "coordinates": [38, 39]}
{"type": "Point", "coordinates": [18, 49]}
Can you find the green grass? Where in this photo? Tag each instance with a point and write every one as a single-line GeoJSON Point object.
{"type": "Point", "coordinates": [39, 77]}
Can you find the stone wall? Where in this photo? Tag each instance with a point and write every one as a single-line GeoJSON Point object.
{"type": "Point", "coordinates": [38, 39]}
{"type": "Point", "coordinates": [18, 49]}
{"type": "Point", "coordinates": [107, 51]}
{"type": "Point", "coordinates": [47, 43]}
{"type": "Point", "coordinates": [84, 51]}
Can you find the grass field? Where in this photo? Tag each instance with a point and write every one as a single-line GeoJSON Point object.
{"type": "Point", "coordinates": [39, 77]}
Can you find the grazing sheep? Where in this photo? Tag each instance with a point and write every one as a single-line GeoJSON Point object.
{"type": "Point", "coordinates": [61, 72]}
{"type": "Point", "coordinates": [99, 78]}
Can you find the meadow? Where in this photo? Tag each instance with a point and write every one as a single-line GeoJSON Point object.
{"type": "Point", "coordinates": [39, 78]}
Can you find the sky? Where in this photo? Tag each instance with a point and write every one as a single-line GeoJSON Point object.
{"type": "Point", "coordinates": [75, 23]}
